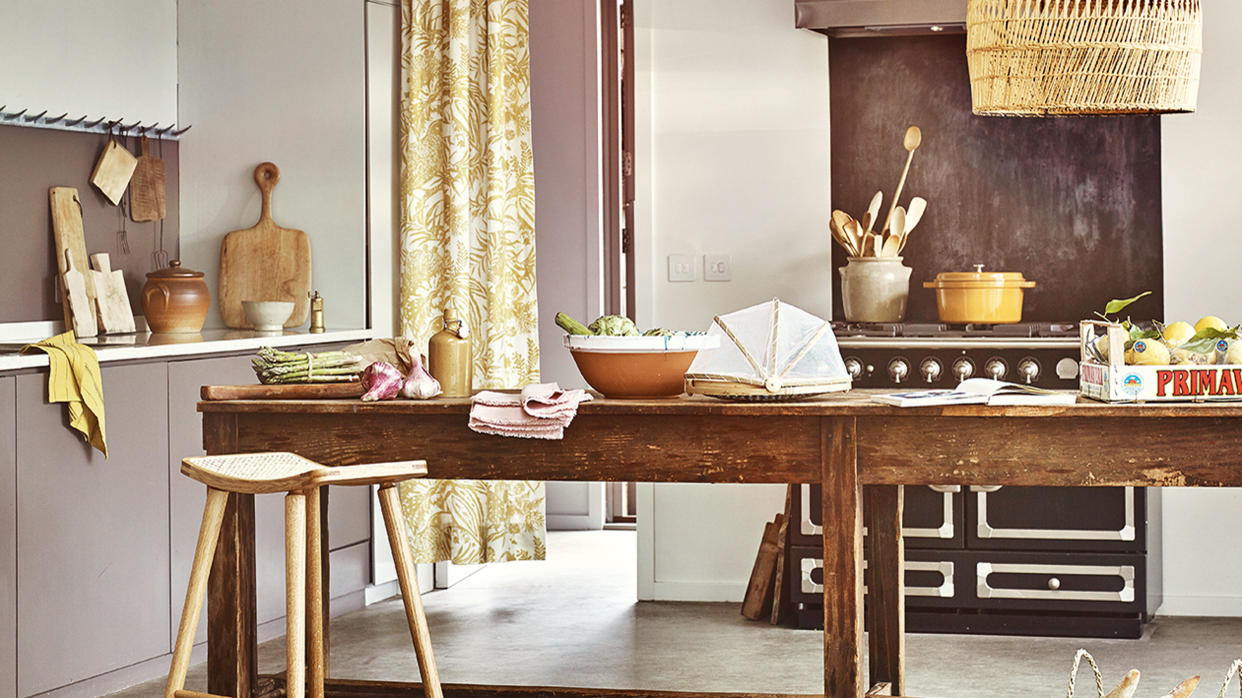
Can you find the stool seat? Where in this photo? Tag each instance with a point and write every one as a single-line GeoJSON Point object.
{"type": "Point", "coordinates": [252, 473]}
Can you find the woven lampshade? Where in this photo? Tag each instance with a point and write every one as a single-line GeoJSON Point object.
{"type": "Point", "coordinates": [1083, 57]}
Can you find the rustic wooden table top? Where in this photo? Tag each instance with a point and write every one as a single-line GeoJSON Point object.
{"type": "Point", "coordinates": [855, 403]}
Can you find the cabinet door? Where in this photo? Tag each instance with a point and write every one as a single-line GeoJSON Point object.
{"type": "Point", "coordinates": [92, 534]}
{"type": "Point", "coordinates": [8, 537]}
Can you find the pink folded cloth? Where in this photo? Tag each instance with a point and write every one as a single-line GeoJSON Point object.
{"type": "Point", "coordinates": [541, 411]}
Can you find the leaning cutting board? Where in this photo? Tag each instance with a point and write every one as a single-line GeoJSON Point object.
{"type": "Point", "coordinates": [115, 314]}
{"type": "Point", "coordinates": [68, 237]}
{"type": "Point", "coordinates": [81, 307]}
{"type": "Point", "coordinates": [265, 263]}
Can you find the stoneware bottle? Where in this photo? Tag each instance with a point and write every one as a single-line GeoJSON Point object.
{"type": "Point", "coordinates": [875, 289]}
{"type": "Point", "coordinates": [449, 357]}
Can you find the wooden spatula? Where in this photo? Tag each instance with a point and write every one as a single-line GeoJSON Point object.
{"type": "Point", "coordinates": [81, 306]}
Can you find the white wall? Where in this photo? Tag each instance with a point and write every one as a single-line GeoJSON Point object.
{"type": "Point", "coordinates": [732, 158]}
{"type": "Point", "coordinates": [1202, 575]}
{"type": "Point", "coordinates": [280, 81]}
{"type": "Point", "coordinates": [116, 59]}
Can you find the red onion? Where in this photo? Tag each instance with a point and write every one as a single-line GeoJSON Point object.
{"type": "Point", "coordinates": [382, 381]}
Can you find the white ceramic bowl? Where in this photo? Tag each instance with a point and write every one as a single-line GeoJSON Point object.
{"type": "Point", "coordinates": [268, 316]}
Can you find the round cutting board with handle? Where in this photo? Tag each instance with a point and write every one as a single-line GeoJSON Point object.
{"type": "Point", "coordinates": [265, 263]}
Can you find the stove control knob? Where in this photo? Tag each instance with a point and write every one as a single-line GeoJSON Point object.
{"type": "Point", "coordinates": [854, 367]}
{"type": "Point", "coordinates": [898, 369]}
{"type": "Point", "coordinates": [963, 368]}
{"type": "Point", "coordinates": [1028, 369]}
{"type": "Point", "coordinates": [996, 368]}
{"type": "Point", "coordinates": [931, 369]}
{"type": "Point", "coordinates": [1067, 369]}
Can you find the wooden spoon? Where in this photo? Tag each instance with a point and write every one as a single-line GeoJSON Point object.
{"type": "Point", "coordinates": [892, 246]}
{"type": "Point", "coordinates": [914, 138]}
{"type": "Point", "coordinates": [844, 240]}
{"type": "Point", "coordinates": [873, 210]}
{"type": "Point", "coordinates": [854, 230]}
{"type": "Point", "coordinates": [917, 206]}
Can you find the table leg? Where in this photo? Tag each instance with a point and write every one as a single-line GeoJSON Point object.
{"type": "Point", "coordinates": [886, 586]}
{"type": "Point", "coordinates": [232, 649]}
{"type": "Point", "coordinates": [843, 556]}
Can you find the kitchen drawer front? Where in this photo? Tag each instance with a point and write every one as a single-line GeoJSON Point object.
{"type": "Point", "coordinates": [932, 516]}
{"type": "Point", "coordinates": [931, 580]}
{"type": "Point", "coordinates": [1103, 519]}
{"type": "Point", "coordinates": [1061, 582]}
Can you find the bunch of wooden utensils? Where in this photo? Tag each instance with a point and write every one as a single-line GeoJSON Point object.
{"type": "Point", "coordinates": [860, 238]}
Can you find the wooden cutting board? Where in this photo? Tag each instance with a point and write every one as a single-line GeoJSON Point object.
{"type": "Point", "coordinates": [265, 263]}
{"type": "Point", "coordinates": [81, 307]}
{"type": "Point", "coordinates": [299, 391]}
{"type": "Point", "coordinates": [68, 237]}
{"type": "Point", "coordinates": [115, 314]}
{"type": "Point", "coordinates": [146, 188]}
{"type": "Point", "coordinates": [113, 171]}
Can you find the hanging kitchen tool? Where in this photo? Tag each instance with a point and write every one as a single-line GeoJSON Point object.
{"type": "Point", "coordinates": [69, 240]}
{"type": "Point", "coordinates": [159, 258]}
{"type": "Point", "coordinates": [265, 262]}
{"type": "Point", "coordinates": [146, 188]}
{"type": "Point", "coordinates": [81, 306]}
{"type": "Point", "coordinates": [113, 170]}
{"type": "Point", "coordinates": [116, 316]}
{"type": "Point", "coordinates": [774, 351]}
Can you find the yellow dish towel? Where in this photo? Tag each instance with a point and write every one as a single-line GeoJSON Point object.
{"type": "Point", "coordinates": [74, 379]}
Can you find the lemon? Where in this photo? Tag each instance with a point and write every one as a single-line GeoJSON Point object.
{"type": "Point", "coordinates": [1210, 321]}
{"type": "Point", "coordinates": [1148, 352]}
{"type": "Point", "coordinates": [1185, 356]}
{"type": "Point", "coordinates": [1179, 333]}
{"type": "Point", "coordinates": [1234, 355]}
{"type": "Point", "coordinates": [1101, 345]}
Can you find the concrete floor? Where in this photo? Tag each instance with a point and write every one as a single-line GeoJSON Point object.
{"type": "Point", "coordinates": [573, 621]}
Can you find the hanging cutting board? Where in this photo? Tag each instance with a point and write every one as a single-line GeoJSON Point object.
{"type": "Point", "coordinates": [68, 238]}
{"type": "Point", "coordinates": [265, 263]}
{"type": "Point", "coordinates": [146, 187]}
{"type": "Point", "coordinates": [115, 314]}
{"type": "Point", "coordinates": [81, 306]}
{"type": "Point", "coordinates": [113, 172]}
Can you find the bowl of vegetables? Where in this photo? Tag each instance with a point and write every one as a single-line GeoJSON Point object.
{"type": "Point", "coordinates": [621, 362]}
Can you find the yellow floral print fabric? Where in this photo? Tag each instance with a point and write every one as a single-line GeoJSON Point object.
{"type": "Point", "coordinates": [468, 242]}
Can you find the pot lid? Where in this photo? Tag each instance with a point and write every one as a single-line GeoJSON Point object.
{"type": "Point", "coordinates": [175, 271]}
{"type": "Point", "coordinates": [979, 277]}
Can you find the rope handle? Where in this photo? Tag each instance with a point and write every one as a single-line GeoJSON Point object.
{"type": "Point", "coordinates": [1095, 669]}
{"type": "Point", "coordinates": [1235, 670]}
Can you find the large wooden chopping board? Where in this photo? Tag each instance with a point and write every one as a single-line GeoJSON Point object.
{"type": "Point", "coordinates": [68, 236]}
{"type": "Point", "coordinates": [265, 263]}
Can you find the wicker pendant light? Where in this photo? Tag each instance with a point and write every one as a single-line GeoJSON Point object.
{"type": "Point", "coordinates": [1083, 57]}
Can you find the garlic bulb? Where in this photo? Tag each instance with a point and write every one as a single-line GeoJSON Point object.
{"type": "Point", "coordinates": [420, 385]}
{"type": "Point", "coordinates": [382, 381]}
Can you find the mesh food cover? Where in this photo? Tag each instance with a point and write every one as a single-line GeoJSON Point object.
{"type": "Point", "coordinates": [768, 351]}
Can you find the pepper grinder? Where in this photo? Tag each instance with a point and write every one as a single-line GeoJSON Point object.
{"type": "Point", "coordinates": [316, 323]}
{"type": "Point", "coordinates": [449, 356]}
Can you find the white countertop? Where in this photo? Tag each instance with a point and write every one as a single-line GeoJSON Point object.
{"type": "Point", "coordinates": [144, 345]}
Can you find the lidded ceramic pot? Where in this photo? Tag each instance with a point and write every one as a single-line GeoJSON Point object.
{"type": "Point", "coordinates": [175, 299]}
{"type": "Point", "coordinates": [979, 297]}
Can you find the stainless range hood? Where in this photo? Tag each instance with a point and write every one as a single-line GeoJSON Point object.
{"type": "Point", "coordinates": [881, 17]}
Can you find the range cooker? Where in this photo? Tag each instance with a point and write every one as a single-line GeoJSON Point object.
{"type": "Point", "coordinates": [984, 559]}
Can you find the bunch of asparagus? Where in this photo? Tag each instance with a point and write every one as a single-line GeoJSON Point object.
{"type": "Point", "coordinates": [275, 366]}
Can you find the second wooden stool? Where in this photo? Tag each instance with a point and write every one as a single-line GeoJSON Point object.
{"type": "Point", "coordinates": [300, 479]}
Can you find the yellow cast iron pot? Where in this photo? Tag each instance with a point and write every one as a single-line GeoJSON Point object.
{"type": "Point", "coordinates": [979, 297]}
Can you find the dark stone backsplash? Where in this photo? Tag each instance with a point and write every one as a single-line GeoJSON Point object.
{"type": "Point", "coordinates": [1073, 203]}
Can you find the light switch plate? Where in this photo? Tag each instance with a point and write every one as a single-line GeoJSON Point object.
{"type": "Point", "coordinates": [717, 267]}
{"type": "Point", "coordinates": [681, 267]}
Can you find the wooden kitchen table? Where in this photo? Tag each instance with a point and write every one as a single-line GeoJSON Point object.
{"type": "Point", "coordinates": [847, 443]}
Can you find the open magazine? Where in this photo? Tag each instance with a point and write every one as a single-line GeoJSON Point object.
{"type": "Point", "coordinates": [980, 391]}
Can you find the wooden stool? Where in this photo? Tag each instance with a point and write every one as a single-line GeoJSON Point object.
{"type": "Point", "coordinates": [265, 473]}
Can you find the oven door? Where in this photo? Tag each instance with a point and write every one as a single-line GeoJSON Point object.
{"type": "Point", "coordinates": [932, 581]}
{"type": "Point", "coordinates": [932, 516]}
{"type": "Point", "coordinates": [1105, 519]}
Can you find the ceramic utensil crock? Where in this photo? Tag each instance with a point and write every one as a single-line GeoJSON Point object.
{"type": "Point", "coordinates": [175, 299]}
{"type": "Point", "coordinates": [875, 289]}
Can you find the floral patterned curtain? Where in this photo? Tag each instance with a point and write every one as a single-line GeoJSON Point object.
{"type": "Point", "coordinates": [468, 242]}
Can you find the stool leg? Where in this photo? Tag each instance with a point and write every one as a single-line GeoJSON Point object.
{"type": "Point", "coordinates": [390, 505]}
{"type": "Point", "coordinates": [204, 551]}
{"type": "Point", "coordinates": [316, 668]}
{"type": "Point", "coordinates": [295, 595]}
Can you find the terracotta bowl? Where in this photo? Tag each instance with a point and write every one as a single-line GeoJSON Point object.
{"type": "Point", "coordinates": [637, 367]}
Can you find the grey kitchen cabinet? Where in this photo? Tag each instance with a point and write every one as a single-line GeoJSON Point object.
{"type": "Point", "coordinates": [92, 534]}
{"type": "Point", "coordinates": [348, 507]}
{"type": "Point", "coordinates": [8, 536]}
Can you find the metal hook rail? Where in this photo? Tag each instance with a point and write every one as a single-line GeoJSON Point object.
{"type": "Point", "coordinates": [103, 124]}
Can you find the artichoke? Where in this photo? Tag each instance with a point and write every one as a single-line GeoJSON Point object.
{"type": "Point", "coordinates": [613, 326]}
{"type": "Point", "coordinates": [659, 332]}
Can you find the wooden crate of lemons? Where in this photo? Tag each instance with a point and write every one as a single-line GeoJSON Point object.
{"type": "Point", "coordinates": [1178, 362]}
